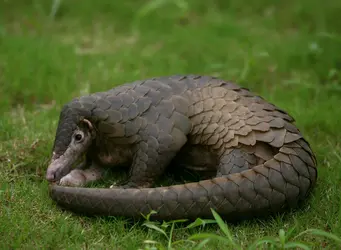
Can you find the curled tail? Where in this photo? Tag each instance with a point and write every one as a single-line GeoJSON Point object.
{"type": "Point", "coordinates": [277, 184]}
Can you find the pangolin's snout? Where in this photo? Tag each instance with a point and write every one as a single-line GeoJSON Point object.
{"type": "Point", "coordinates": [51, 173]}
{"type": "Point", "coordinates": [50, 177]}
{"type": "Point", "coordinates": [58, 168]}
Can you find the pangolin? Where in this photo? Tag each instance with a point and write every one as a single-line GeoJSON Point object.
{"type": "Point", "coordinates": [261, 162]}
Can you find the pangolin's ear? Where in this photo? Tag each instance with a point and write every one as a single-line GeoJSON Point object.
{"type": "Point", "coordinates": [86, 123]}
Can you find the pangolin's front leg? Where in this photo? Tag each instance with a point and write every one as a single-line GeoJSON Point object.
{"type": "Point", "coordinates": [82, 175]}
{"type": "Point", "coordinates": [162, 141]}
{"type": "Point", "coordinates": [149, 163]}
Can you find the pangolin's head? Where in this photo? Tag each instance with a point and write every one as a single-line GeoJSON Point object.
{"type": "Point", "coordinates": [74, 136]}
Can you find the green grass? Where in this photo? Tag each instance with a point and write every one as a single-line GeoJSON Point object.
{"type": "Point", "coordinates": [287, 51]}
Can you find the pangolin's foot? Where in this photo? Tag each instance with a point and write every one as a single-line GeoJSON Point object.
{"type": "Point", "coordinates": [75, 178]}
{"type": "Point", "coordinates": [80, 177]}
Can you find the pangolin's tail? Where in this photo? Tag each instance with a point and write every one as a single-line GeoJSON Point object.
{"type": "Point", "coordinates": [279, 183]}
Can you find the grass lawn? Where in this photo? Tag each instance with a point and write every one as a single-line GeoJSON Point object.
{"type": "Point", "coordinates": [287, 51]}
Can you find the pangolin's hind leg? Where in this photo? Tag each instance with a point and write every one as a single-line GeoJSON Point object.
{"type": "Point", "coordinates": [242, 158]}
{"type": "Point", "coordinates": [236, 161]}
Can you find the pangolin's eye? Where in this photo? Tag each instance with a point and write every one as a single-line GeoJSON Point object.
{"type": "Point", "coordinates": [78, 137]}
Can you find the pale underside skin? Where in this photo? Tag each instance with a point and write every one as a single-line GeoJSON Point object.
{"type": "Point", "coordinates": [260, 159]}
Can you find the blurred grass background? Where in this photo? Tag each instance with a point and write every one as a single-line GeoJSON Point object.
{"type": "Point", "coordinates": [51, 51]}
